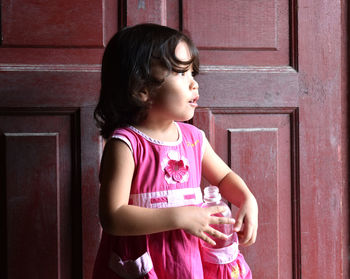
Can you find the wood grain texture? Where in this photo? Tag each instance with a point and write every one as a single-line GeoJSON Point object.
{"type": "Point", "coordinates": [321, 152]}
{"type": "Point", "coordinates": [53, 23]}
{"type": "Point", "coordinates": [258, 144]}
{"type": "Point", "coordinates": [248, 148]}
{"type": "Point", "coordinates": [146, 11]}
{"type": "Point", "coordinates": [240, 32]}
{"type": "Point", "coordinates": [49, 89]}
{"type": "Point", "coordinates": [234, 24]}
{"type": "Point", "coordinates": [42, 186]}
{"type": "Point", "coordinates": [33, 193]}
{"type": "Point", "coordinates": [91, 145]}
{"type": "Point", "coordinates": [248, 86]}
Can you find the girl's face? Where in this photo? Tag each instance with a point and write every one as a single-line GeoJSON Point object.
{"type": "Point", "coordinates": [176, 99]}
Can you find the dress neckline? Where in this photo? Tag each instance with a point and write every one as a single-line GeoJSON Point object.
{"type": "Point", "coordinates": [159, 142]}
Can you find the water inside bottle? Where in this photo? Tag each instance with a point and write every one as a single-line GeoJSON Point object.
{"type": "Point", "coordinates": [212, 197]}
{"type": "Point", "coordinates": [225, 229]}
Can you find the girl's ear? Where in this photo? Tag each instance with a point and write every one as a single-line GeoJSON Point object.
{"type": "Point", "coordinates": [143, 95]}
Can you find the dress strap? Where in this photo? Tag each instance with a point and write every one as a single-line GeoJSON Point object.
{"type": "Point", "coordinates": [168, 198]}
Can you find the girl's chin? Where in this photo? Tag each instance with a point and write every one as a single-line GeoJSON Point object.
{"type": "Point", "coordinates": [185, 116]}
{"type": "Point", "coordinates": [183, 119]}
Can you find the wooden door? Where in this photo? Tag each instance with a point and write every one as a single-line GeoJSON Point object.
{"type": "Point", "coordinates": [50, 56]}
{"type": "Point", "coordinates": [273, 104]}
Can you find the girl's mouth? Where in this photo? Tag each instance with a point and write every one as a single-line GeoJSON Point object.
{"type": "Point", "coordinates": [193, 102]}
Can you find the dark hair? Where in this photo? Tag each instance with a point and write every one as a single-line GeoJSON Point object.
{"type": "Point", "coordinates": [126, 70]}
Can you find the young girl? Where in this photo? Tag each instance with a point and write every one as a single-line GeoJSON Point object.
{"type": "Point", "coordinates": [151, 167]}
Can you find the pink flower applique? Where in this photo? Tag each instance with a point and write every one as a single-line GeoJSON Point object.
{"type": "Point", "coordinates": [175, 168]}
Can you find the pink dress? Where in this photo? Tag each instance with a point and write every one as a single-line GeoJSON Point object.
{"type": "Point", "coordinates": [167, 174]}
{"type": "Point", "coordinates": [225, 263]}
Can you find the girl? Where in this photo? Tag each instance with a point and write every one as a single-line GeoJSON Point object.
{"type": "Point", "coordinates": [151, 167]}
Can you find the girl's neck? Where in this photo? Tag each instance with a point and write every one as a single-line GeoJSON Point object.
{"type": "Point", "coordinates": [162, 131]}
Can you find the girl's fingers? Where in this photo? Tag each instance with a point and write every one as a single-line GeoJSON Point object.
{"type": "Point", "coordinates": [253, 239]}
{"type": "Point", "coordinates": [238, 224]}
{"type": "Point", "coordinates": [219, 220]}
{"type": "Point", "coordinates": [255, 234]}
{"type": "Point", "coordinates": [207, 239]}
{"type": "Point", "coordinates": [222, 220]}
{"type": "Point", "coordinates": [216, 209]}
{"type": "Point", "coordinates": [247, 236]}
{"type": "Point", "coordinates": [216, 233]}
{"type": "Point", "coordinates": [248, 231]}
{"type": "Point", "coordinates": [212, 232]}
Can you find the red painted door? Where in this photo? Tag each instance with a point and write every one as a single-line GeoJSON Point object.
{"type": "Point", "coordinates": [50, 56]}
{"type": "Point", "coordinates": [273, 104]}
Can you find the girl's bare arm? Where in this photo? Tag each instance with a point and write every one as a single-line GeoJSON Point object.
{"type": "Point", "coordinates": [234, 189]}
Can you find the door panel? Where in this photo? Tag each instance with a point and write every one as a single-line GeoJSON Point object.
{"type": "Point", "coordinates": [258, 144]}
{"type": "Point", "coordinates": [41, 193]}
{"type": "Point", "coordinates": [36, 207]}
{"type": "Point", "coordinates": [53, 23]}
{"type": "Point", "coordinates": [239, 32]}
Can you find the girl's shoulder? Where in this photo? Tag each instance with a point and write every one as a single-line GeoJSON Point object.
{"type": "Point", "coordinates": [127, 135]}
{"type": "Point", "coordinates": [121, 131]}
{"type": "Point", "coordinates": [190, 130]}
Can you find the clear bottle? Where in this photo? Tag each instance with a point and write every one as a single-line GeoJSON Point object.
{"type": "Point", "coordinates": [212, 197]}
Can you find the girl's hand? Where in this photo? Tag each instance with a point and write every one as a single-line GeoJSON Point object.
{"type": "Point", "coordinates": [246, 224]}
{"type": "Point", "coordinates": [197, 221]}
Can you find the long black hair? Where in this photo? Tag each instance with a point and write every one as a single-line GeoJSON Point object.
{"type": "Point", "coordinates": [126, 70]}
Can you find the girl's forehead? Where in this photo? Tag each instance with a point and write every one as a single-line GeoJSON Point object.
{"type": "Point", "coordinates": [182, 51]}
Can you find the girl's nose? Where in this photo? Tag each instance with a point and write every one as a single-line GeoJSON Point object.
{"type": "Point", "coordinates": [194, 85]}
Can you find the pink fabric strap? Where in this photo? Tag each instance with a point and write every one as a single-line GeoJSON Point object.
{"type": "Point", "coordinates": [220, 255]}
{"type": "Point", "coordinates": [168, 198]}
{"type": "Point", "coordinates": [131, 269]}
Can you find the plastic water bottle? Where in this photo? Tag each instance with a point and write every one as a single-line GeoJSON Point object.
{"type": "Point", "coordinates": [212, 197]}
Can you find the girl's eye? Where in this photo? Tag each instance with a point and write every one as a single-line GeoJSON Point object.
{"type": "Point", "coordinates": [188, 72]}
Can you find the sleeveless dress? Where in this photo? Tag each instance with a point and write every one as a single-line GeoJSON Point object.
{"type": "Point", "coordinates": [167, 174]}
